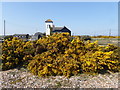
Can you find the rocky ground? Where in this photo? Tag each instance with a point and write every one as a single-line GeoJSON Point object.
{"type": "Point", "coordinates": [23, 79]}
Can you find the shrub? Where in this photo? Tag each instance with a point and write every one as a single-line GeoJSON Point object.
{"type": "Point", "coordinates": [16, 52]}
{"type": "Point", "coordinates": [57, 43]}
{"type": "Point", "coordinates": [12, 53]}
{"type": "Point", "coordinates": [29, 52]}
{"type": "Point", "coordinates": [63, 56]}
{"type": "Point", "coordinates": [100, 36]}
{"type": "Point", "coordinates": [10, 37]}
{"type": "Point", "coordinates": [50, 49]}
{"type": "Point", "coordinates": [85, 37]}
{"type": "Point", "coordinates": [60, 54]}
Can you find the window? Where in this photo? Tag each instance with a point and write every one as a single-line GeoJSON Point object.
{"type": "Point", "coordinates": [47, 26]}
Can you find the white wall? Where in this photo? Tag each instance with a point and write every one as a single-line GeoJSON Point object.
{"type": "Point", "coordinates": [47, 27]}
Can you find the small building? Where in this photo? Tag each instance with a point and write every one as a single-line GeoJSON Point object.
{"type": "Point", "coordinates": [21, 36]}
{"type": "Point", "coordinates": [50, 28]}
{"type": "Point", "coordinates": [37, 35]}
{"type": "Point", "coordinates": [61, 30]}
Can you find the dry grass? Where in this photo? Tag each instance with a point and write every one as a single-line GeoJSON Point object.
{"type": "Point", "coordinates": [105, 41]}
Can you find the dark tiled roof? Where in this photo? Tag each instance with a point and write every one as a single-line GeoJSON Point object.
{"type": "Point", "coordinates": [61, 29]}
{"type": "Point", "coordinates": [57, 28]}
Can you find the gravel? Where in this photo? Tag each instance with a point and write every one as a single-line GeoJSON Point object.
{"type": "Point", "coordinates": [15, 78]}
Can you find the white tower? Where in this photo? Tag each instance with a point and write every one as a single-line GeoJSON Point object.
{"type": "Point", "coordinates": [49, 25]}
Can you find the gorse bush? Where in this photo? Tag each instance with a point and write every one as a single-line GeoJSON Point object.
{"type": "Point", "coordinates": [56, 43]}
{"type": "Point", "coordinates": [12, 53]}
{"type": "Point", "coordinates": [63, 56]}
{"type": "Point", "coordinates": [15, 52]}
{"type": "Point", "coordinates": [10, 37]}
{"type": "Point", "coordinates": [29, 52]}
{"type": "Point", "coordinates": [100, 36]}
{"type": "Point", "coordinates": [49, 62]}
{"type": "Point", "coordinates": [60, 54]}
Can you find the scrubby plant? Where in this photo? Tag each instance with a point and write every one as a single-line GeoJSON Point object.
{"type": "Point", "coordinates": [10, 37]}
{"type": "Point", "coordinates": [101, 36]}
{"type": "Point", "coordinates": [29, 52]}
{"type": "Point", "coordinates": [57, 42]}
{"type": "Point", "coordinates": [50, 49]}
{"type": "Point", "coordinates": [86, 37]}
{"type": "Point", "coordinates": [66, 56]}
{"type": "Point", "coordinates": [60, 54]}
{"type": "Point", "coordinates": [12, 53]}
{"type": "Point", "coordinates": [16, 52]}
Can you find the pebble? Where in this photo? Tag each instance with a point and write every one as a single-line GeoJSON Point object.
{"type": "Point", "coordinates": [23, 79]}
